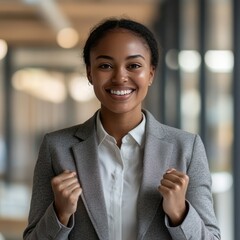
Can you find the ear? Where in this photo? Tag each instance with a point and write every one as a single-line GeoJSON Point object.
{"type": "Point", "coordinates": [89, 76]}
{"type": "Point", "coordinates": [151, 75]}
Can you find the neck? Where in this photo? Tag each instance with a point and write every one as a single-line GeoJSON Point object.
{"type": "Point", "coordinates": [118, 125]}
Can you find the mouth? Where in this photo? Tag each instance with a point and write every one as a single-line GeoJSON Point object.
{"type": "Point", "coordinates": [120, 92]}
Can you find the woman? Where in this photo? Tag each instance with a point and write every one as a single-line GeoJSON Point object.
{"type": "Point", "coordinates": [121, 175]}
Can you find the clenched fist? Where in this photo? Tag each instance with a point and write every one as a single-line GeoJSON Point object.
{"type": "Point", "coordinates": [173, 188]}
{"type": "Point", "coordinates": [67, 190]}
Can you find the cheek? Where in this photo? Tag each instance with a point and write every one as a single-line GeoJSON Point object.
{"type": "Point", "coordinates": [144, 79]}
{"type": "Point", "coordinates": [97, 92]}
{"type": "Point", "coordinates": [101, 77]}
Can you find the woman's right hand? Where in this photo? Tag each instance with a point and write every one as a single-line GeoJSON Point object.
{"type": "Point", "coordinates": [67, 190]}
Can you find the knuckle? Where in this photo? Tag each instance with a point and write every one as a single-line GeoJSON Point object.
{"type": "Point", "coordinates": [65, 193]}
{"type": "Point", "coordinates": [168, 192]}
{"type": "Point", "coordinates": [54, 181]}
{"type": "Point", "coordinates": [176, 187]}
{"type": "Point", "coordinates": [59, 187]}
{"type": "Point", "coordinates": [183, 180]}
{"type": "Point", "coordinates": [186, 177]}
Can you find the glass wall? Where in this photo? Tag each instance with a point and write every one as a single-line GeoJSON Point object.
{"type": "Point", "coordinates": [219, 62]}
{"type": "Point", "coordinates": [196, 81]}
{"type": "Point", "coordinates": [217, 58]}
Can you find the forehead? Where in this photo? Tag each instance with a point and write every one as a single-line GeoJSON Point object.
{"type": "Point", "coordinates": [121, 38]}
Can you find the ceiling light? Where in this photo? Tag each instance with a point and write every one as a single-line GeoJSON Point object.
{"type": "Point", "coordinates": [3, 49]}
{"type": "Point", "coordinates": [67, 38]}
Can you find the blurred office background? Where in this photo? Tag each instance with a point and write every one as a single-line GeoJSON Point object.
{"type": "Point", "coordinates": [43, 87]}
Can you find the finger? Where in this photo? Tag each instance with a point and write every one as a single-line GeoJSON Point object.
{"type": "Point", "coordinates": [68, 184]}
{"type": "Point", "coordinates": [167, 183]}
{"type": "Point", "coordinates": [171, 177]}
{"type": "Point", "coordinates": [77, 191]}
{"type": "Point", "coordinates": [73, 186]}
{"type": "Point", "coordinates": [74, 196]}
{"type": "Point", "coordinates": [74, 192]}
{"type": "Point", "coordinates": [175, 172]}
{"type": "Point", "coordinates": [67, 174]}
{"type": "Point", "coordinates": [170, 170]}
{"type": "Point", "coordinates": [163, 190]}
{"type": "Point", "coordinates": [177, 186]}
{"type": "Point", "coordinates": [173, 181]}
{"type": "Point", "coordinates": [63, 176]}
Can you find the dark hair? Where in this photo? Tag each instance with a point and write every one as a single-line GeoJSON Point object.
{"type": "Point", "coordinates": [100, 30]}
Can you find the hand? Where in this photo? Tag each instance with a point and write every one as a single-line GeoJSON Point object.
{"type": "Point", "coordinates": [173, 188]}
{"type": "Point", "coordinates": [67, 190]}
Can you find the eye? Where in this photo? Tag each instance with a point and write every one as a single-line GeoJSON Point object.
{"type": "Point", "coordinates": [105, 66]}
{"type": "Point", "coordinates": [134, 66]}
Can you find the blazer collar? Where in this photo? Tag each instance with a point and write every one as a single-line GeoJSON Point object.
{"type": "Point", "coordinates": [87, 128]}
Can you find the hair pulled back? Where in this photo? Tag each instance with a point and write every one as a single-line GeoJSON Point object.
{"type": "Point", "coordinates": [100, 30]}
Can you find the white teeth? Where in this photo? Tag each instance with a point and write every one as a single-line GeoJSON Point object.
{"type": "Point", "coordinates": [120, 93]}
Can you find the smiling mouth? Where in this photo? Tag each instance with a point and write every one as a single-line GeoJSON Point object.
{"type": "Point", "coordinates": [121, 92]}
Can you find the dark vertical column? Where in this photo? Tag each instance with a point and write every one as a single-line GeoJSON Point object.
{"type": "Point", "coordinates": [160, 29]}
{"type": "Point", "coordinates": [167, 29]}
{"type": "Point", "coordinates": [174, 20]}
{"type": "Point", "coordinates": [236, 95]}
{"type": "Point", "coordinates": [177, 13]}
{"type": "Point", "coordinates": [7, 116]}
{"type": "Point", "coordinates": [202, 83]}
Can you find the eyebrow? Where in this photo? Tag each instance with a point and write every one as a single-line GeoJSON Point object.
{"type": "Point", "coordinates": [129, 57]}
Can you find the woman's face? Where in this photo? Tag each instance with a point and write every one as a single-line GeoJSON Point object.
{"type": "Point", "coordinates": [120, 71]}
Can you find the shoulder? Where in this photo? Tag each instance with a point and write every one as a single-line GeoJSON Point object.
{"type": "Point", "coordinates": [172, 133]}
{"type": "Point", "coordinates": [168, 133]}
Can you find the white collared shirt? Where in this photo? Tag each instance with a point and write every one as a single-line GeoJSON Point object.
{"type": "Point", "coordinates": [121, 174]}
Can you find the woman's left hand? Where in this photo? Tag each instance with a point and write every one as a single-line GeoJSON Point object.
{"type": "Point", "coordinates": [173, 188]}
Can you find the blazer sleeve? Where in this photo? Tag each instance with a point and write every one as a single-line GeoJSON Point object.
{"type": "Point", "coordinates": [42, 221]}
{"type": "Point", "coordinates": [200, 222]}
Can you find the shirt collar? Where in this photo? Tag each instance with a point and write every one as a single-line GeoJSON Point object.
{"type": "Point", "coordinates": [138, 133]}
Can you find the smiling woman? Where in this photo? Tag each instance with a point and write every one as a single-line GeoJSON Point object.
{"type": "Point", "coordinates": [121, 175]}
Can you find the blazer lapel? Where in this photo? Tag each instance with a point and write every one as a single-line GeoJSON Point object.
{"type": "Point", "coordinates": [155, 163]}
{"type": "Point", "coordinates": [85, 154]}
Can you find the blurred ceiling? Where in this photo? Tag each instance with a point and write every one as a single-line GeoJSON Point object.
{"type": "Point", "coordinates": [36, 22]}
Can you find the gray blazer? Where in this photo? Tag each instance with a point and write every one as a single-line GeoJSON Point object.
{"type": "Point", "coordinates": [75, 149]}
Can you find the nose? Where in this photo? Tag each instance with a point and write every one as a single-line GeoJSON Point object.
{"type": "Point", "coordinates": [120, 76]}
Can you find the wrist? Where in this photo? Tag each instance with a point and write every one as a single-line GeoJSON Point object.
{"type": "Point", "coordinates": [63, 218]}
{"type": "Point", "coordinates": [176, 219]}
